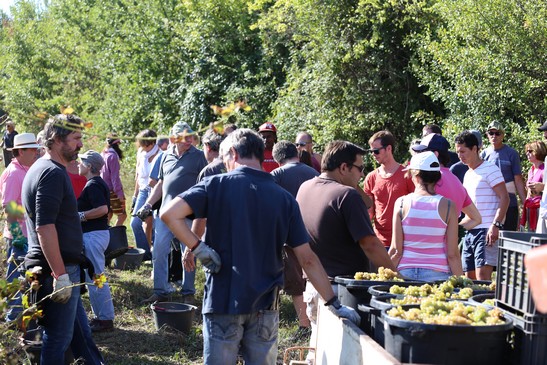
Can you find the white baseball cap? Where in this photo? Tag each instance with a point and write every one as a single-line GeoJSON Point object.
{"type": "Point", "coordinates": [425, 161]}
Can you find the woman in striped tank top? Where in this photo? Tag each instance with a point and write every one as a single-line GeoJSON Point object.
{"type": "Point", "coordinates": [424, 243]}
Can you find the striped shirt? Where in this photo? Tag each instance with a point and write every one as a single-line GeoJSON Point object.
{"type": "Point", "coordinates": [479, 184]}
{"type": "Point", "coordinates": [424, 232]}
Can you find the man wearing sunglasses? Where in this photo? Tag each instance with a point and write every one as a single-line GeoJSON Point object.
{"type": "Point", "coordinates": [304, 142]}
{"type": "Point", "coordinates": [385, 184]}
{"type": "Point", "coordinates": [508, 160]}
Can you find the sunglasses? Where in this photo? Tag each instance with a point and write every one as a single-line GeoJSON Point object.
{"type": "Point", "coordinates": [360, 168]}
{"type": "Point", "coordinates": [376, 151]}
{"type": "Point", "coordinates": [494, 133]}
{"type": "Point", "coordinates": [529, 151]}
{"type": "Point", "coordinates": [302, 144]}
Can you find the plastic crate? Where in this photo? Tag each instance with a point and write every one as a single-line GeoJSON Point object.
{"type": "Point", "coordinates": [512, 291]}
{"type": "Point", "coordinates": [530, 337]}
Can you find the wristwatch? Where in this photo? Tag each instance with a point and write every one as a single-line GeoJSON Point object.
{"type": "Point", "coordinates": [498, 224]}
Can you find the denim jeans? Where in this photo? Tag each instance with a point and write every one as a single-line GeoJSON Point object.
{"type": "Point", "coordinates": [253, 335]}
{"type": "Point", "coordinates": [137, 223]}
{"type": "Point", "coordinates": [160, 261]}
{"type": "Point", "coordinates": [95, 243]}
{"type": "Point", "coordinates": [15, 306]}
{"type": "Point", "coordinates": [424, 274]}
{"type": "Point", "coordinates": [67, 325]}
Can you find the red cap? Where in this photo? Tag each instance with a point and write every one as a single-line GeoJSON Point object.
{"type": "Point", "coordinates": [267, 127]}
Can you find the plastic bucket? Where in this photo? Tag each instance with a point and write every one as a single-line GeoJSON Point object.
{"type": "Point", "coordinates": [480, 298]}
{"type": "Point", "coordinates": [130, 260]}
{"type": "Point", "coordinates": [175, 315]}
{"type": "Point", "coordinates": [414, 342]}
{"type": "Point", "coordinates": [117, 245]}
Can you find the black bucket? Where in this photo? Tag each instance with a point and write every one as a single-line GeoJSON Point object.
{"type": "Point", "coordinates": [175, 315]}
{"type": "Point", "coordinates": [118, 243]}
{"type": "Point", "coordinates": [352, 293]}
{"type": "Point", "coordinates": [419, 343]}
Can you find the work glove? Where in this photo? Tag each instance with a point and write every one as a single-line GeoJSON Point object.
{"type": "Point", "coordinates": [62, 289]}
{"type": "Point", "coordinates": [208, 257]}
{"type": "Point", "coordinates": [344, 312]}
{"type": "Point", "coordinates": [144, 212]}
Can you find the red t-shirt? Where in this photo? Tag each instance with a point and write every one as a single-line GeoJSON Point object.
{"type": "Point", "coordinates": [269, 163]}
{"type": "Point", "coordinates": [384, 193]}
{"type": "Point", "coordinates": [78, 183]}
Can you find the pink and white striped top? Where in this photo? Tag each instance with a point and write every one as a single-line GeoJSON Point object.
{"type": "Point", "coordinates": [424, 235]}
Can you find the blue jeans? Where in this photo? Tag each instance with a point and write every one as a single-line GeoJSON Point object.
{"type": "Point", "coordinates": [67, 325]}
{"type": "Point", "coordinates": [254, 335]}
{"type": "Point", "coordinates": [160, 261]}
{"type": "Point", "coordinates": [136, 222]}
{"type": "Point", "coordinates": [12, 272]}
{"type": "Point", "coordinates": [95, 243]}
{"type": "Point", "coordinates": [424, 274]}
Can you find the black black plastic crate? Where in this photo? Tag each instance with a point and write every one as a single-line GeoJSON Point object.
{"type": "Point", "coordinates": [512, 291]}
{"type": "Point", "coordinates": [529, 340]}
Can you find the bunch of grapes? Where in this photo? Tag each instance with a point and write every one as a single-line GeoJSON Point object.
{"type": "Point", "coordinates": [383, 274]}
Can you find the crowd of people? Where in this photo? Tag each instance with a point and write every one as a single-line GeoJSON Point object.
{"type": "Point", "coordinates": [261, 215]}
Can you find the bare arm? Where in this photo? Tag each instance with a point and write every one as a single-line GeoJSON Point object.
{"type": "Point", "coordinates": [314, 271]}
{"type": "Point", "coordinates": [364, 196]}
{"type": "Point", "coordinates": [155, 194]}
{"type": "Point", "coordinates": [198, 227]}
{"type": "Point", "coordinates": [96, 212]}
{"type": "Point", "coordinates": [174, 215]}
{"type": "Point", "coordinates": [452, 250]}
{"type": "Point", "coordinates": [396, 248]}
{"type": "Point", "coordinates": [493, 232]}
{"type": "Point", "coordinates": [521, 190]}
{"type": "Point", "coordinates": [472, 217]}
{"type": "Point", "coordinates": [49, 242]}
{"type": "Point", "coordinates": [376, 252]}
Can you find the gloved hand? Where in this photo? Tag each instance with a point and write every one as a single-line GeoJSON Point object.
{"type": "Point", "coordinates": [344, 312]}
{"type": "Point", "coordinates": [144, 212]}
{"type": "Point", "coordinates": [62, 289]}
{"type": "Point", "coordinates": [208, 257]}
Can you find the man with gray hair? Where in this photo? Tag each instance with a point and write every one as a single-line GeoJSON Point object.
{"type": "Point", "coordinates": [179, 169]}
{"type": "Point", "coordinates": [55, 244]}
{"type": "Point", "coordinates": [242, 253]}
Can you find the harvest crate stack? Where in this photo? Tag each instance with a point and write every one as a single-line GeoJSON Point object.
{"type": "Point", "coordinates": [514, 297]}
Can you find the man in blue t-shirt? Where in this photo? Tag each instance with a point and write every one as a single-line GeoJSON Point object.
{"type": "Point", "coordinates": [508, 160]}
{"type": "Point", "coordinates": [249, 218]}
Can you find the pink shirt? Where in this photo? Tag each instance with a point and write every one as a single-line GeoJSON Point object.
{"type": "Point", "coordinates": [451, 187]}
{"type": "Point", "coordinates": [11, 183]}
{"type": "Point", "coordinates": [424, 235]}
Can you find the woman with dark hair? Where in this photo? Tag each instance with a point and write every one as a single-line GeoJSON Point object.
{"type": "Point", "coordinates": [424, 243]}
{"type": "Point", "coordinates": [110, 173]}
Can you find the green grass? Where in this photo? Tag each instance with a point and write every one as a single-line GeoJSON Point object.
{"type": "Point", "coordinates": [135, 339]}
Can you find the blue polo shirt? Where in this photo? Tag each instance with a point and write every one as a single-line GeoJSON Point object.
{"type": "Point", "coordinates": [249, 218]}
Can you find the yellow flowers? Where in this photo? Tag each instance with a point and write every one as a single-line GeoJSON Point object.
{"type": "Point", "coordinates": [14, 209]}
{"type": "Point", "coordinates": [99, 280]}
{"type": "Point", "coordinates": [228, 112]}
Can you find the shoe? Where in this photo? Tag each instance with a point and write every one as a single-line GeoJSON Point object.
{"type": "Point", "coordinates": [155, 298]}
{"type": "Point", "coordinates": [98, 325]}
{"type": "Point", "coordinates": [302, 334]}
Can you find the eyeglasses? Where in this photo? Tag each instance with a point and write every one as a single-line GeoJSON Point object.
{"type": "Point", "coordinates": [376, 151]}
{"type": "Point", "coordinates": [497, 133]}
{"type": "Point", "coordinates": [302, 144]}
{"type": "Point", "coordinates": [360, 168]}
{"type": "Point", "coordinates": [529, 151]}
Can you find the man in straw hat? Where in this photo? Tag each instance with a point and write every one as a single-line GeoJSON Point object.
{"type": "Point", "coordinates": [179, 170]}
{"type": "Point", "coordinates": [55, 244]}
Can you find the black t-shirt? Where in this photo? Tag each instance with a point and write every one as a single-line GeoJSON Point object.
{"type": "Point", "coordinates": [94, 195]}
{"type": "Point", "coordinates": [48, 198]}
